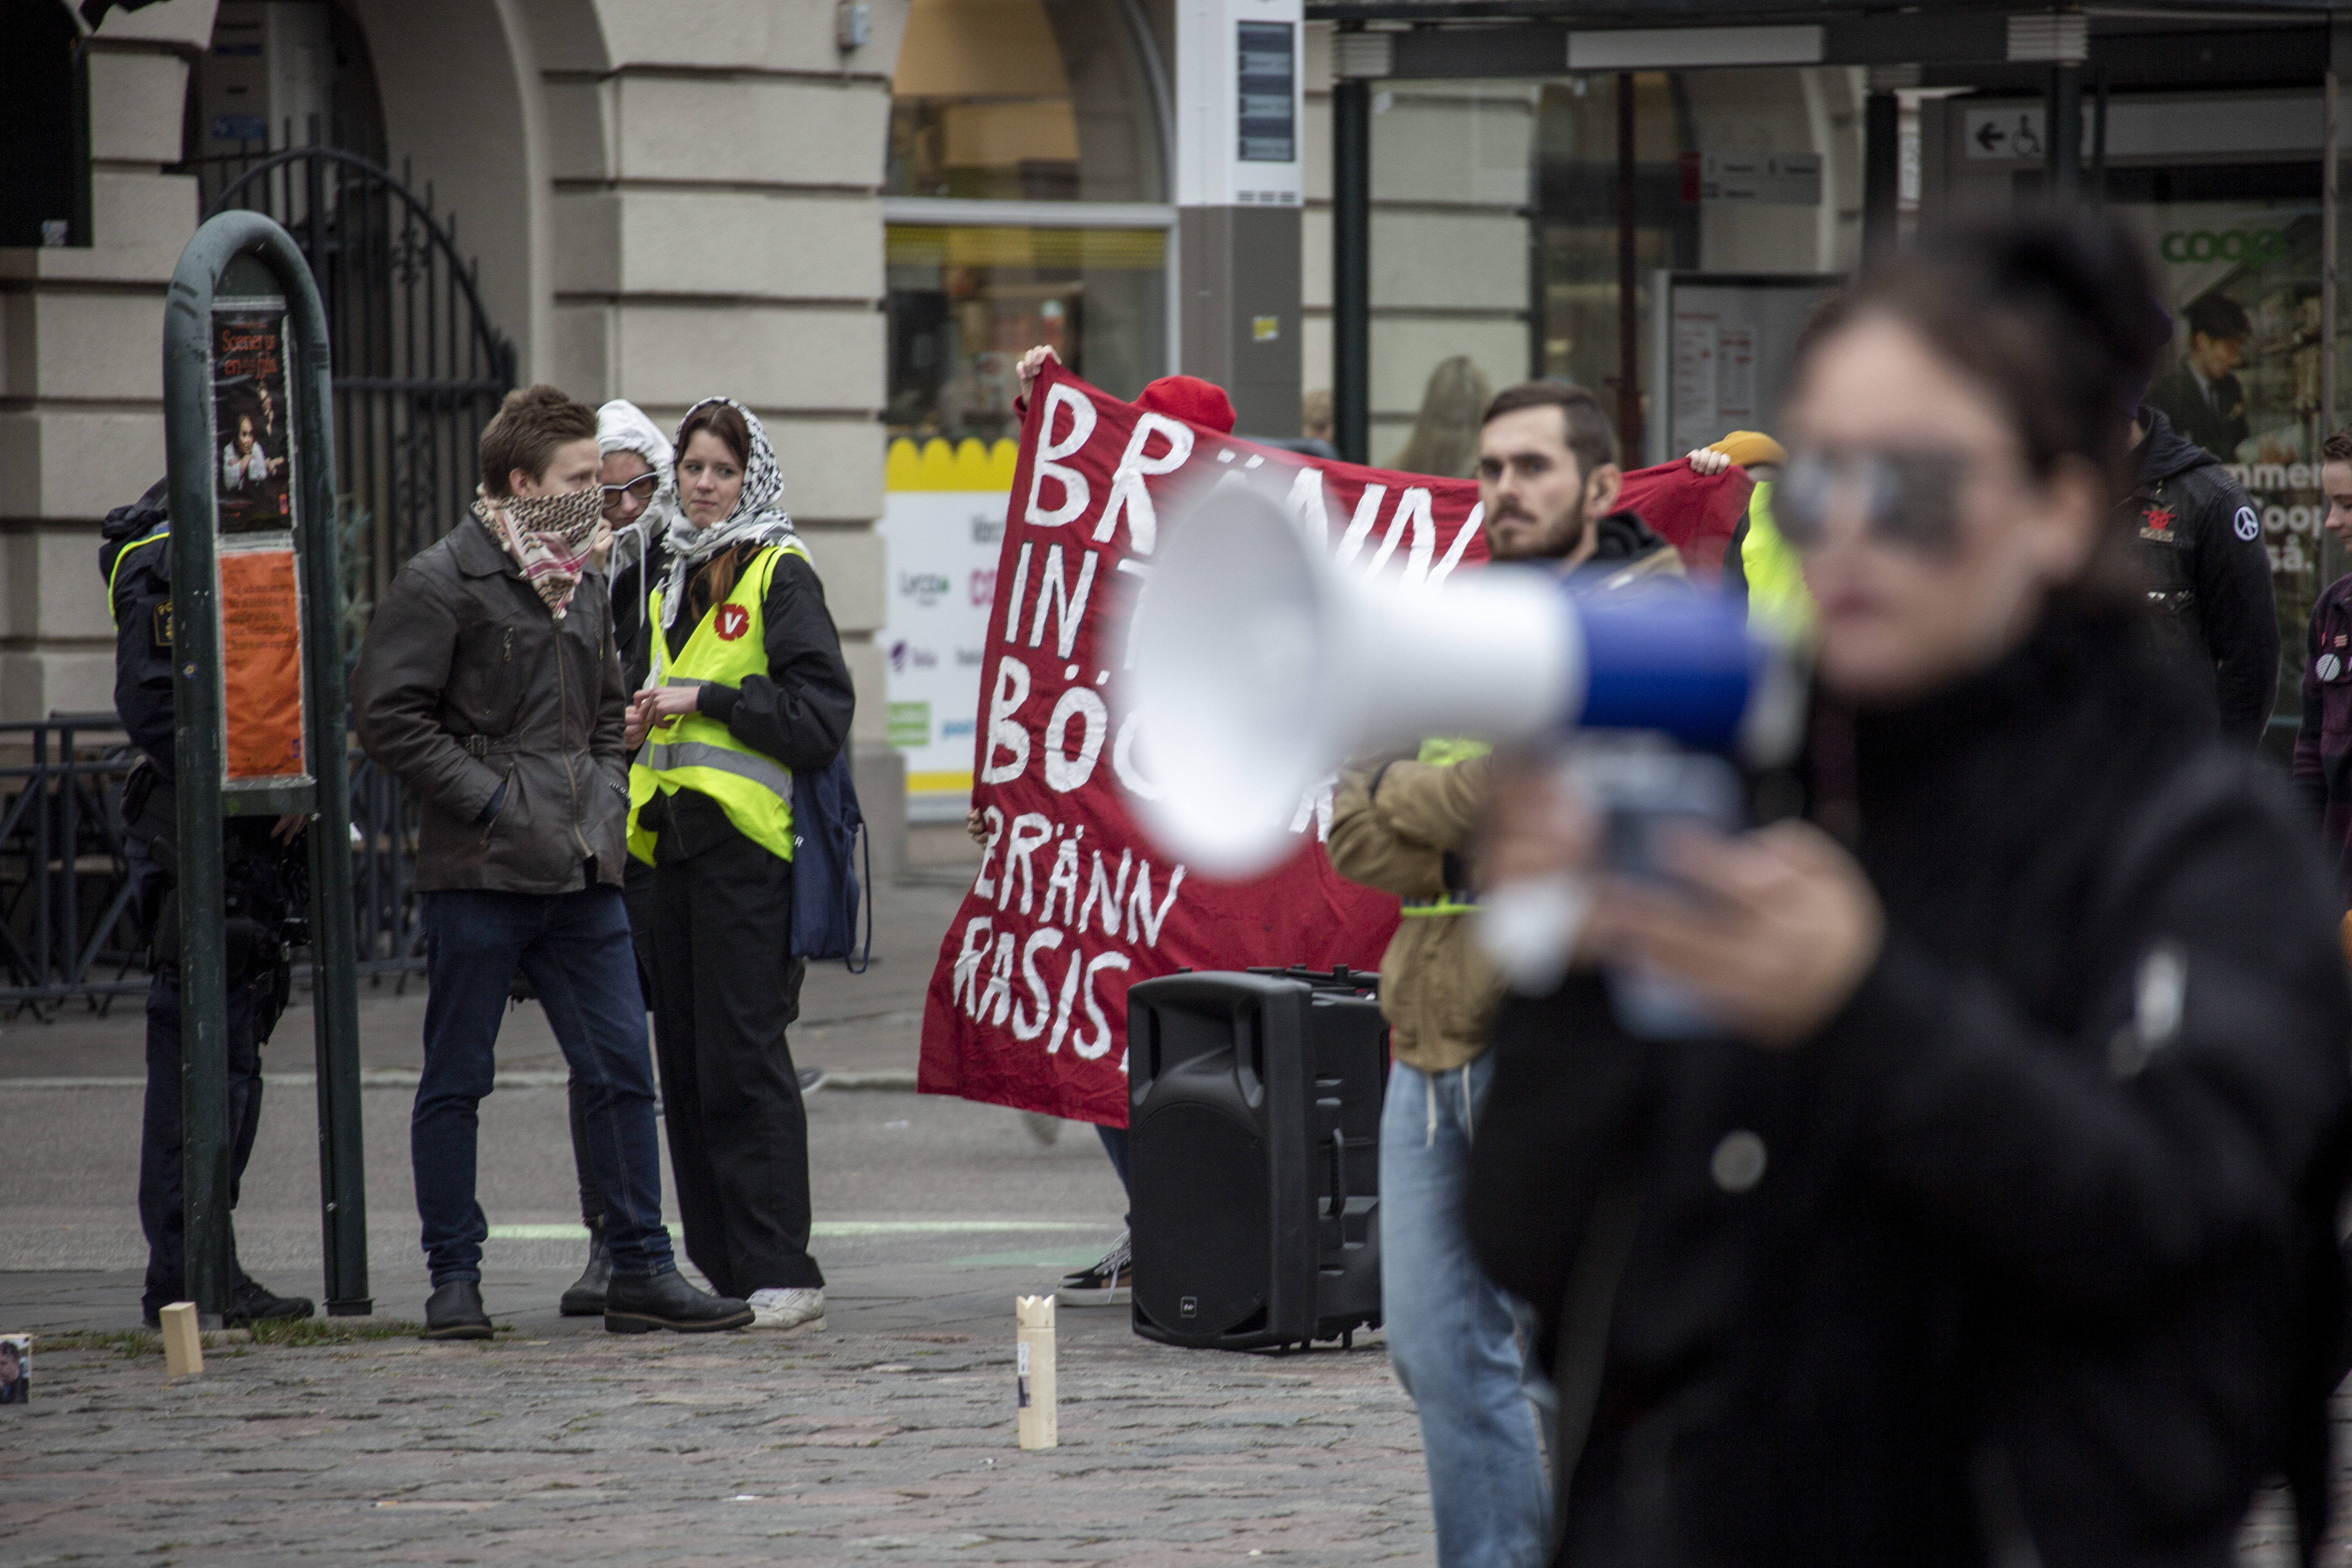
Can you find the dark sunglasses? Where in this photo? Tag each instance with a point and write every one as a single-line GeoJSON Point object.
{"type": "Point", "coordinates": [1907, 498]}
{"type": "Point", "coordinates": [642, 487]}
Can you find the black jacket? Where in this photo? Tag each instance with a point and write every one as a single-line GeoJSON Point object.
{"type": "Point", "coordinates": [135, 556]}
{"type": "Point", "coordinates": [2036, 1231]}
{"type": "Point", "coordinates": [2202, 545]}
{"type": "Point", "coordinates": [799, 712]}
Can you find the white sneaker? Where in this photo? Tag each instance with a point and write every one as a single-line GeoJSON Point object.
{"type": "Point", "coordinates": [788, 1312]}
{"type": "Point", "coordinates": [1110, 1283]}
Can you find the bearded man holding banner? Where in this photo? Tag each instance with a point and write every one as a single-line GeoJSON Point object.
{"type": "Point", "coordinates": [1549, 481]}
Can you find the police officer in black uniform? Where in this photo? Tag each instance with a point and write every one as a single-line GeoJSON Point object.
{"type": "Point", "coordinates": [267, 881]}
{"type": "Point", "coordinates": [2209, 572]}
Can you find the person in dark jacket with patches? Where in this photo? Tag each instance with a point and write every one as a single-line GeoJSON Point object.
{"type": "Point", "coordinates": [2323, 745]}
{"type": "Point", "coordinates": [2207, 570]}
{"type": "Point", "coordinates": [1997, 1225]}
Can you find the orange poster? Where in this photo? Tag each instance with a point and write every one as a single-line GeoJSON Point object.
{"type": "Point", "coordinates": [261, 664]}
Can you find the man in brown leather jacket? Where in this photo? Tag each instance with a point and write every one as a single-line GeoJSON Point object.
{"type": "Point", "coordinates": [1548, 478]}
{"type": "Point", "coordinates": [490, 685]}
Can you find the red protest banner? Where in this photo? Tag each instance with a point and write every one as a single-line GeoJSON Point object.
{"type": "Point", "coordinates": [1074, 903]}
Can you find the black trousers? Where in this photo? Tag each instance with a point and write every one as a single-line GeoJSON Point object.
{"type": "Point", "coordinates": [637, 892]}
{"type": "Point", "coordinates": [725, 989]}
{"type": "Point", "coordinates": [162, 1212]}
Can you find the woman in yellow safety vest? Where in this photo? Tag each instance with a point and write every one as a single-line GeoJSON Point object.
{"type": "Point", "coordinates": [747, 685]}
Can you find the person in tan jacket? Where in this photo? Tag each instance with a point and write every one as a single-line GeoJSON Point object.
{"type": "Point", "coordinates": [1406, 824]}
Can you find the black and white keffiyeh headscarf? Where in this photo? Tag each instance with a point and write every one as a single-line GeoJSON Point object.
{"type": "Point", "coordinates": [759, 517]}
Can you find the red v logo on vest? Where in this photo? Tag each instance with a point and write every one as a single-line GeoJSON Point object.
{"type": "Point", "coordinates": [733, 621]}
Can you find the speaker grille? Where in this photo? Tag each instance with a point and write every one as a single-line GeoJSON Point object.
{"type": "Point", "coordinates": [1203, 1230]}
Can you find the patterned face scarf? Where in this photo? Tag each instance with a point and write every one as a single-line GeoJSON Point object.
{"type": "Point", "coordinates": [554, 539]}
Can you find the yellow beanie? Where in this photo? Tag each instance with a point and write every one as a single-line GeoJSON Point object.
{"type": "Point", "coordinates": [1746, 447]}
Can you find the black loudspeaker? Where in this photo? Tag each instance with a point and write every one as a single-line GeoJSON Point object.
{"type": "Point", "coordinates": [1254, 1156]}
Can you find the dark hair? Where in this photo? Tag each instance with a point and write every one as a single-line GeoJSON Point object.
{"type": "Point", "coordinates": [531, 424]}
{"type": "Point", "coordinates": [2337, 448]}
{"type": "Point", "coordinates": [1591, 437]}
{"type": "Point", "coordinates": [722, 420]}
{"type": "Point", "coordinates": [2220, 317]}
{"type": "Point", "coordinates": [716, 577]}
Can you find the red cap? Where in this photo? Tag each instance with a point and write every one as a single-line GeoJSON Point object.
{"type": "Point", "coordinates": [1191, 399]}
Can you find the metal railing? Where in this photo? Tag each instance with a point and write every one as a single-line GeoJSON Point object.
{"type": "Point", "coordinates": [69, 927]}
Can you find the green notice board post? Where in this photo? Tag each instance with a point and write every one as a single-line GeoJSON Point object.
{"type": "Point", "coordinates": [258, 696]}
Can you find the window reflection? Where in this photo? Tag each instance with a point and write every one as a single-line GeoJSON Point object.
{"type": "Point", "coordinates": [966, 303]}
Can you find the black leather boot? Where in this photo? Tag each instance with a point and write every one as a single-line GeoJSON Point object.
{"type": "Point", "coordinates": [640, 1303]}
{"type": "Point", "coordinates": [252, 1303]}
{"type": "Point", "coordinates": [455, 1312]}
{"type": "Point", "coordinates": [585, 1297]}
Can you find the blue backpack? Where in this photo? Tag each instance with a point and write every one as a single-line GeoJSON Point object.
{"type": "Point", "coordinates": [826, 829]}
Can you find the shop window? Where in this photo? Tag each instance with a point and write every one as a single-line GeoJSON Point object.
{"type": "Point", "coordinates": [967, 302]}
{"type": "Point", "coordinates": [2237, 255]}
{"type": "Point", "coordinates": [1027, 101]}
{"type": "Point", "coordinates": [1576, 204]}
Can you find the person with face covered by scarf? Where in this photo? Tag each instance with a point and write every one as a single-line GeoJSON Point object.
{"type": "Point", "coordinates": [746, 686]}
{"type": "Point", "coordinates": [489, 685]}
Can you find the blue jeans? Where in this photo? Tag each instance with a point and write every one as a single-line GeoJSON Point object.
{"type": "Point", "coordinates": [1453, 1335]}
{"type": "Point", "coordinates": [574, 947]}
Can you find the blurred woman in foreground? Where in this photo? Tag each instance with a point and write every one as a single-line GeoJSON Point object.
{"type": "Point", "coordinates": [2001, 1229]}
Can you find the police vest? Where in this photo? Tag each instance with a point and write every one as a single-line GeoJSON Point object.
{"type": "Point", "coordinates": [1445, 753]}
{"type": "Point", "coordinates": [1776, 594]}
{"type": "Point", "coordinates": [697, 752]}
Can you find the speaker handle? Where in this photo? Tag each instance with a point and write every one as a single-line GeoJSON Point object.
{"type": "Point", "coordinates": [1339, 1181]}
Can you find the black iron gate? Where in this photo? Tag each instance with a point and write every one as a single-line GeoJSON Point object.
{"type": "Point", "coordinates": [418, 371]}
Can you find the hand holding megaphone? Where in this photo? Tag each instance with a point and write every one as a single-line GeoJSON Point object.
{"type": "Point", "coordinates": [1259, 669]}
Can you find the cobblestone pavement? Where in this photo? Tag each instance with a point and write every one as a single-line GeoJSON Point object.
{"type": "Point", "coordinates": [888, 1438]}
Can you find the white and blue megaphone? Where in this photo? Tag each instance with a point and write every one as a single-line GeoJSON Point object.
{"type": "Point", "coordinates": [1259, 668]}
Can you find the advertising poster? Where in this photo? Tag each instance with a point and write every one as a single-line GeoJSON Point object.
{"type": "Point", "coordinates": [254, 476]}
{"type": "Point", "coordinates": [261, 665]}
{"type": "Point", "coordinates": [943, 524]}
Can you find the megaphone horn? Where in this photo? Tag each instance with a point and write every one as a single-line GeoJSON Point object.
{"type": "Point", "coordinates": [1259, 669]}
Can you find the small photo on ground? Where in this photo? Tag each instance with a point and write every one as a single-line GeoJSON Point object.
{"type": "Point", "coordinates": [15, 1369]}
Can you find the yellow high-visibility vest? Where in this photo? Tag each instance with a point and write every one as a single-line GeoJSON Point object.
{"type": "Point", "coordinates": [1447, 752]}
{"type": "Point", "coordinates": [1776, 594]}
{"type": "Point", "coordinates": [697, 752]}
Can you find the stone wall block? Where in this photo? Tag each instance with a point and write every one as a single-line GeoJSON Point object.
{"type": "Point", "coordinates": [94, 347]}
{"type": "Point", "coordinates": [577, 145]}
{"type": "Point", "coordinates": [34, 685]}
{"type": "Point", "coordinates": [850, 561]}
{"type": "Point", "coordinates": [61, 568]}
{"type": "Point", "coordinates": [774, 358]}
{"type": "Point", "coordinates": [753, 130]}
{"type": "Point", "coordinates": [692, 32]}
{"type": "Point", "coordinates": [711, 242]}
{"type": "Point", "coordinates": [869, 672]}
{"type": "Point", "coordinates": [67, 463]}
{"type": "Point", "coordinates": [188, 23]}
{"type": "Point", "coordinates": [587, 241]}
{"type": "Point", "coordinates": [134, 106]}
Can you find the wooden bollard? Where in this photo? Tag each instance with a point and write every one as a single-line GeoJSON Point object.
{"type": "Point", "coordinates": [1032, 1370]}
{"type": "Point", "coordinates": [183, 1348]}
